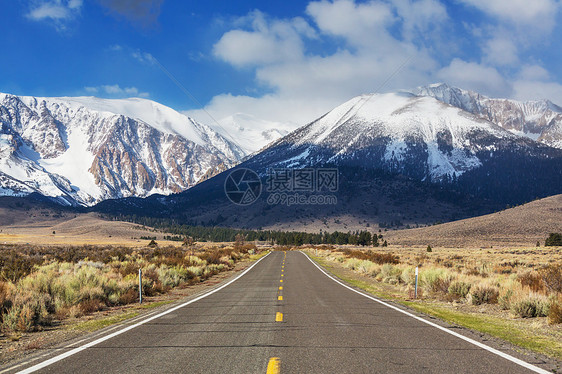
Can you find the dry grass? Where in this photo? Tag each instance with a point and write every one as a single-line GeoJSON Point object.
{"type": "Point", "coordinates": [55, 283]}
{"type": "Point", "coordinates": [527, 282]}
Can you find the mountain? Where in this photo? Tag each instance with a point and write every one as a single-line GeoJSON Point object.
{"type": "Point", "coordinates": [251, 133]}
{"type": "Point", "coordinates": [539, 120]}
{"type": "Point", "coordinates": [402, 159]}
{"type": "Point", "coordinates": [83, 150]}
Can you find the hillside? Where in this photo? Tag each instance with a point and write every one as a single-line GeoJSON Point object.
{"type": "Point", "coordinates": [522, 225]}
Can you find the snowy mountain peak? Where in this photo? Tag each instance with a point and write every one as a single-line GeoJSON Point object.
{"type": "Point", "coordinates": [539, 120]}
{"type": "Point", "coordinates": [84, 149]}
{"type": "Point", "coordinates": [401, 132]}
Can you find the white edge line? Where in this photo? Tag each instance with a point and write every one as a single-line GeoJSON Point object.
{"type": "Point", "coordinates": [471, 341]}
{"type": "Point", "coordinates": [107, 337]}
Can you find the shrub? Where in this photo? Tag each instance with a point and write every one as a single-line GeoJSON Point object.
{"type": "Point", "coordinates": [459, 289]}
{"type": "Point", "coordinates": [505, 300]}
{"type": "Point", "coordinates": [531, 279]}
{"type": "Point", "coordinates": [436, 280]}
{"type": "Point", "coordinates": [552, 277]}
{"type": "Point", "coordinates": [428, 249]}
{"type": "Point", "coordinates": [554, 239]}
{"type": "Point", "coordinates": [532, 306]}
{"type": "Point", "coordinates": [555, 311]}
{"type": "Point", "coordinates": [483, 294]}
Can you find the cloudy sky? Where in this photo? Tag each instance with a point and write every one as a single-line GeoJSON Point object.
{"type": "Point", "coordinates": [287, 61]}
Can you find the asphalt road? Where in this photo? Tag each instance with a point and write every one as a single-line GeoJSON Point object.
{"type": "Point", "coordinates": [311, 325]}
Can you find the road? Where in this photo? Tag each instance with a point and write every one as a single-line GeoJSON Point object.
{"type": "Point", "coordinates": [286, 314]}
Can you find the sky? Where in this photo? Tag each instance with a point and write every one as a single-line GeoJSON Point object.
{"type": "Point", "coordinates": [276, 60]}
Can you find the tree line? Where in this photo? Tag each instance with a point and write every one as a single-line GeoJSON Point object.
{"type": "Point", "coordinates": [226, 234]}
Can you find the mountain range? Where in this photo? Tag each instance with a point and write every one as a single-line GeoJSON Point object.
{"type": "Point", "coordinates": [402, 160]}
{"type": "Point", "coordinates": [439, 141]}
{"type": "Point", "coordinates": [83, 150]}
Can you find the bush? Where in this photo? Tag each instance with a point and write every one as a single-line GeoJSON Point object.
{"type": "Point", "coordinates": [555, 312]}
{"type": "Point", "coordinates": [531, 279]}
{"type": "Point", "coordinates": [459, 289]}
{"type": "Point", "coordinates": [436, 280]}
{"type": "Point", "coordinates": [484, 295]}
{"type": "Point", "coordinates": [554, 239]}
{"type": "Point", "coordinates": [552, 277]}
{"type": "Point", "coordinates": [505, 300]}
{"type": "Point", "coordinates": [530, 307]}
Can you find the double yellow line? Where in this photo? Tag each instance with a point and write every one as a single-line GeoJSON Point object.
{"type": "Point", "coordinates": [274, 364]}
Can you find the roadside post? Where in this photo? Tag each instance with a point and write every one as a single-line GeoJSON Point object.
{"type": "Point", "coordinates": [416, 286]}
{"type": "Point", "coordinates": [140, 286]}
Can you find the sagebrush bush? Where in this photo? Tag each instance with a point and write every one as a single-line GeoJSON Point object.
{"type": "Point", "coordinates": [531, 279]}
{"type": "Point", "coordinates": [555, 311]}
{"type": "Point", "coordinates": [436, 280]}
{"type": "Point", "coordinates": [483, 294]}
{"type": "Point", "coordinates": [552, 277]}
{"type": "Point", "coordinates": [459, 289]}
{"type": "Point", "coordinates": [533, 305]}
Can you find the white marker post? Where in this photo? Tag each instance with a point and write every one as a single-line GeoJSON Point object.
{"type": "Point", "coordinates": [140, 286]}
{"type": "Point", "coordinates": [416, 286]}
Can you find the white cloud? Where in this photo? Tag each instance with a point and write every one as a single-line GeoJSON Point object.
{"type": "Point", "coordinates": [370, 41]}
{"type": "Point", "coordinates": [265, 43]}
{"type": "Point", "coordinates": [144, 57]}
{"type": "Point", "coordinates": [57, 11]}
{"type": "Point", "coordinates": [535, 90]}
{"type": "Point", "coordinates": [312, 83]}
{"type": "Point", "coordinates": [116, 91]}
{"type": "Point", "coordinates": [534, 82]}
{"type": "Point", "coordinates": [533, 72]}
{"type": "Point", "coordinates": [473, 76]}
{"type": "Point", "coordinates": [358, 23]}
{"type": "Point", "coordinates": [501, 51]}
{"type": "Point", "coordinates": [539, 14]}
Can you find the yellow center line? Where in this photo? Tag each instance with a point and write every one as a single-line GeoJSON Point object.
{"type": "Point", "coordinates": [280, 298]}
{"type": "Point", "coordinates": [274, 366]}
{"type": "Point", "coordinates": [280, 287]}
{"type": "Point", "coordinates": [282, 275]}
{"type": "Point", "coordinates": [281, 281]}
{"type": "Point", "coordinates": [279, 317]}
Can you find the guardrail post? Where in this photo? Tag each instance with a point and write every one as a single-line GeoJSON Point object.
{"type": "Point", "coordinates": [416, 286]}
{"type": "Point", "coordinates": [140, 286]}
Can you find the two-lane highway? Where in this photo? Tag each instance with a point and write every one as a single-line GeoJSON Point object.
{"type": "Point", "coordinates": [286, 314]}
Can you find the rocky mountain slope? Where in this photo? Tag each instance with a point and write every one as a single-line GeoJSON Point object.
{"type": "Point", "coordinates": [539, 120]}
{"type": "Point", "coordinates": [84, 150]}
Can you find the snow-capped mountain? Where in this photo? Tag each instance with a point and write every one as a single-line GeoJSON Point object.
{"type": "Point", "coordinates": [400, 132]}
{"type": "Point", "coordinates": [83, 149]}
{"type": "Point", "coordinates": [539, 120]}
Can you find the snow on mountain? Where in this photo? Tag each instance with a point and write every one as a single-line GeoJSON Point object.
{"type": "Point", "coordinates": [400, 132]}
{"type": "Point", "coordinates": [538, 120]}
{"type": "Point", "coordinates": [252, 133]}
{"type": "Point", "coordinates": [84, 149]}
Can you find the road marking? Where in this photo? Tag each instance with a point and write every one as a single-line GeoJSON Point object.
{"type": "Point", "coordinates": [280, 287]}
{"type": "Point", "coordinates": [281, 281]}
{"type": "Point", "coordinates": [279, 317]}
{"type": "Point", "coordinates": [51, 361]}
{"type": "Point", "coordinates": [469, 340]}
{"type": "Point", "coordinates": [274, 366]}
{"type": "Point", "coordinates": [279, 297]}
{"type": "Point", "coordinates": [282, 275]}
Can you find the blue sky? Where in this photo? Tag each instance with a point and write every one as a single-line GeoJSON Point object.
{"type": "Point", "coordinates": [287, 61]}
